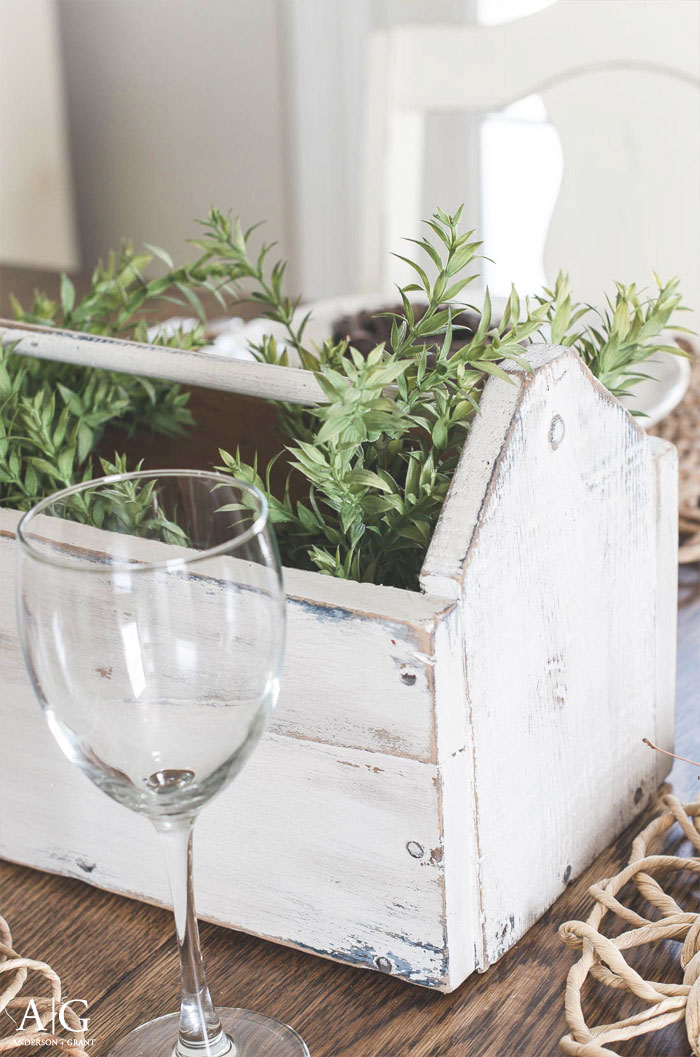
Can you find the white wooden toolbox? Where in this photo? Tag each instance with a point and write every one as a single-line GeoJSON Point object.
{"type": "Point", "coordinates": [441, 763]}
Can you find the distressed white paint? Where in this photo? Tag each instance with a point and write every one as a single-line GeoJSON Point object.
{"type": "Point", "coordinates": [492, 723]}
{"type": "Point", "coordinates": [357, 895]}
{"type": "Point", "coordinates": [554, 553]}
{"type": "Point", "coordinates": [666, 482]}
{"type": "Point", "coordinates": [346, 777]}
{"type": "Point", "coordinates": [173, 365]}
{"type": "Point", "coordinates": [458, 806]}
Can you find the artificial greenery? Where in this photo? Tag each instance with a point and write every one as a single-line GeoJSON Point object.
{"type": "Point", "coordinates": [136, 506]}
{"type": "Point", "coordinates": [369, 470]}
{"type": "Point", "coordinates": [53, 415]}
{"type": "Point", "coordinates": [621, 336]}
{"type": "Point", "coordinates": [378, 459]}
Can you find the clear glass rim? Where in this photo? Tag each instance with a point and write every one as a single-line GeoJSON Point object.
{"type": "Point", "coordinates": [137, 567]}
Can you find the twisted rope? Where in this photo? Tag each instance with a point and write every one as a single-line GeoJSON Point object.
{"type": "Point", "coordinates": [602, 957]}
{"type": "Point", "coordinates": [13, 974]}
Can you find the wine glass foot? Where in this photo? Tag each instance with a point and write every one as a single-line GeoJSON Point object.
{"type": "Point", "coordinates": [253, 1034]}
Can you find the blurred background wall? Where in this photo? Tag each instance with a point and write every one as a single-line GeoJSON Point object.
{"type": "Point", "coordinates": [139, 114]}
{"type": "Point", "coordinates": [173, 105]}
{"type": "Point", "coordinates": [37, 220]}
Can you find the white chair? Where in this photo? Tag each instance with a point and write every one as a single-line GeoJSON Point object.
{"type": "Point", "coordinates": [621, 84]}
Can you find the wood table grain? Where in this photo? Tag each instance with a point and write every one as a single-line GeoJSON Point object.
{"type": "Point", "coordinates": [120, 955]}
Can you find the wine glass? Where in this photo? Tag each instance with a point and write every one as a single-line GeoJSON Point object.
{"type": "Point", "coordinates": [151, 615]}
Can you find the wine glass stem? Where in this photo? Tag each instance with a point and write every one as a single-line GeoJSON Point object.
{"type": "Point", "coordinates": [200, 1033]}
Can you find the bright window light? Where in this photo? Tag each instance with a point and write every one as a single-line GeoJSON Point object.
{"type": "Point", "coordinates": [521, 170]}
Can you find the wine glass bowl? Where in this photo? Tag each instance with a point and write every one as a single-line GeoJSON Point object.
{"type": "Point", "coordinates": [155, 654]}
{"type": "Point", "coordinates": [151, 615]}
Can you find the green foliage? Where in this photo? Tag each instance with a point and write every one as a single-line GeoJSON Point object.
{"type": "Point", "coordinates": [120, 294]}
{"type": "Point", "coordinates": [378, 459]}
{"type": "Point", "coordinates": [369, 470]}
{"type": "Point", "coordinates": [622, 336]}
{"type": "Point", "coordinates": [128, 507]}
{"type": "Point", "coordinates": [52, 416]}
{"type": "Point", "coordinates": [123, 506]}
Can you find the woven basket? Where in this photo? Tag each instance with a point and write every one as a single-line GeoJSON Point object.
{"type": "Point", "coordinates": [682, 428]}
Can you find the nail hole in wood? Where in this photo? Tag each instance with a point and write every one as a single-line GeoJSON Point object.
{"type": "Point", "coordinates": [415, 849]}
{"type": "Point", "coordinates": [383, 964]}
{"type": "Point", "coordinates": [638, 794]}
{"type": "Point", "coordinates": [556, 432]}
{"type": "Point", "coordinates": [567, 874]}
{"type": "Point", "coordinates": [408, 678]}
{"type": "Point", "coordinates": [87, 867]}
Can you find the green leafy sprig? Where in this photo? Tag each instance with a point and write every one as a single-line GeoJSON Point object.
{"type": "Point", "coordinates": [378, 458]}
{"type": "Point", "coordinates": [369, 470]}
{"type": "Point", "coordinates": [53, 415]}
{"type": "Point", "coordinates": [614, 342]}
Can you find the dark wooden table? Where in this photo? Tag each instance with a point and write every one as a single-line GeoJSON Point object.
{"type": "Point", "coordinates": [121, 957]}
